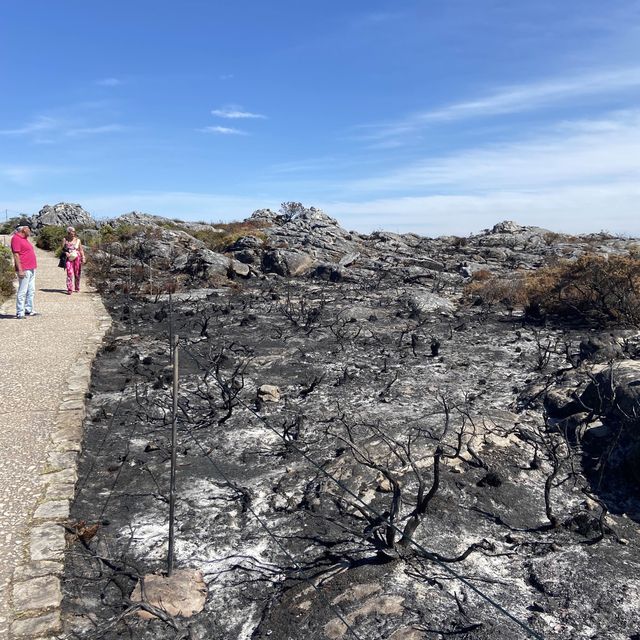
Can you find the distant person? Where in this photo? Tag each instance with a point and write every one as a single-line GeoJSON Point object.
{"type": "Point", "coordinates": [24, 258]}
{"type": "Point", "coordinates": [74, 252]}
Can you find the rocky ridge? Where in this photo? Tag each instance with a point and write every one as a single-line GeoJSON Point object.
{"type": "Point", "coordinates": [62, 214]}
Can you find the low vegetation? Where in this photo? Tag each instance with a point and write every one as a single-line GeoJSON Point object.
{"type": "Point", "coordinates": [7, 275]}
{"type": "Point", "coordinates": [223, 235]}
{"type": "Point", "coordinates": [9, 225]}
{"type": "Point", "coordinates": [120, 233]}
{"type": "Point", "coordinates": [593, 289]}
{"type": "Point", "coordinates": [50, 238]}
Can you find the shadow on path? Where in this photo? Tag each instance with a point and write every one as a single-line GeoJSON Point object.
{"type": "Point", "coordinates": [54, 291]}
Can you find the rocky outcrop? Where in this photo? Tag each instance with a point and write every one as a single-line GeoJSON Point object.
{"type": "Point", "coordinates": [62, 214]}
{"type": "Point", "coordinates": [139, 219]}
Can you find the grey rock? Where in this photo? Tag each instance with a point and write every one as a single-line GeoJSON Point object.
{"type": "Point", "coordinates": [615, 390]}
{"type": "Point", "coordinates": [246, 256]}
{"type": "Point", "coordinates": [62, 214]}
{"type": "Point", "coordinates": [37, 627]}
{"type": "Point", "coordinates": [426, 302]}
{"type": "Point", "coordinates": [507, 226]}
{"type": "Point", "coordinates": [287, 262]}
{"type": "Point", "coordinates": [37, 593]}
{"type": "Point", "coordinates": [240, 269]}
{"type": "Point", "coordinates": [37, 570]}
{"type": "Point", "coordinates": [269, 393]}
{"type": "Point", "coordinates": [330, 272]}
{"type": "Point", "coordinates": [601, 349]}
{"type": "Point", "coordinates": [53, 510]}
{"type": "Point", "coordinates": [246, 242]}
{"type": "Point", "coordinates": [348, 259]}
{"type": "Point", "coordinates": [47, 542]}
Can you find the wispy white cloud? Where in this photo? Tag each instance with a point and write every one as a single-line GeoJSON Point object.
{"type": "Point", "coordinates": [109, 82]}
{"type": "Point", "coordinates": [236, 113]}
{"type": "Point", "coordinates": [226, 76]}
{"type": "Point", "coordinates": [89, 131]}
{"type": "Point", "coordinates": [226, 131]}
{"type": "Point", "coordinates": [514, 99]}
{"type": "Point", "coordinates": [36, 126]}
{"type": "Point", "coordinates": [584, 151]}
{"type": "Point", "coordinates": [28, 174]}
{"type": "Point", "coordinates": [45, 129]}
{"type": "Point", "coordinates": [574, 209]}
{"type": "Point", "coordinates": [576, 176]}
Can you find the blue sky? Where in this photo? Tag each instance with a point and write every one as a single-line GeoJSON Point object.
{"type": "Point", "coordinates": [432, 116]}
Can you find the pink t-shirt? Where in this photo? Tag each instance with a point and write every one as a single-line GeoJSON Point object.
{"type": "Point", "coordinates": [25, 251]}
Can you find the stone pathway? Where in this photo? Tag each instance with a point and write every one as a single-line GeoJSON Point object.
{"type": "Point", "coordinates": [45, 367]}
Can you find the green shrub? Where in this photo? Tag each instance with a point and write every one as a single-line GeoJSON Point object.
{"type": "Point", "coordinates": [9, 225]}
{"type": "Point", "coordinates": [7, 273]}
{"type": "Point", "coordinates": [50, 238]}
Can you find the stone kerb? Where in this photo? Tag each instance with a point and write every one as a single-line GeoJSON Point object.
{"type": "Point", "coordinates": [36, 594]}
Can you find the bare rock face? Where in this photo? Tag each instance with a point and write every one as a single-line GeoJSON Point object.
{"type": "Point", "coordinates": [287, 263]}
{"type": "Point", "coordinates": [62, 214]}
{"type": "Point", "coordinates": [138, 219]}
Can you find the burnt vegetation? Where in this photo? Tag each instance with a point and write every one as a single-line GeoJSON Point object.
{"type": "Point", "coordinates": [408, 438]}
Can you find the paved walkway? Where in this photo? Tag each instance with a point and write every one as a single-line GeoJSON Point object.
{"type": "Point", "coordinates": [35, 392]}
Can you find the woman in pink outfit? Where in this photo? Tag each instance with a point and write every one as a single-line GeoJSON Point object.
{"type": "Point", "coordinates": [72, 247]}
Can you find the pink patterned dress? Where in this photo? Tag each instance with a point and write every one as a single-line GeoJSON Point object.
{"type": "Point", "coordinates": [74, 267]}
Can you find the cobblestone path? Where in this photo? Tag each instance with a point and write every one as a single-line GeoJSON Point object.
{"type": "Point", "coordinates": [44, 372]}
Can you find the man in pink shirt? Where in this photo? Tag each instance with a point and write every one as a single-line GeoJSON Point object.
{"type": "Point", "coordinates": [24, 258]}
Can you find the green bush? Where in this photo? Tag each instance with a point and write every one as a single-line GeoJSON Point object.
{"type": "Point", "coordinates": [50, 238]}
{"type": "Point", "coordinates": [9, 225]}
{"type": "Point", "coordinates": [7, 274]}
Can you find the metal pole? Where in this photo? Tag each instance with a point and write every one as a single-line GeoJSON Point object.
{"type": "Point", "coordinates": [170, 326]}
{"type": "Point", "coordinates": [172, 486]}
{"type": "Point", "coordinates": [129, 297]}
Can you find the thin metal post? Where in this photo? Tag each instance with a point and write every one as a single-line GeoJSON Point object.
{"type": "Point", "coordinates": [172, 486]}
{"type": "Point", "coordinates": [171, 326]}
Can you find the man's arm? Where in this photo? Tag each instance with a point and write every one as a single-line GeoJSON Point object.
{"type": "Point", "coordinates": [16, 260]}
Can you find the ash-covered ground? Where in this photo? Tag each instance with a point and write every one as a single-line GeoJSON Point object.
{"type": "Point", "coordinates": [405, 480]}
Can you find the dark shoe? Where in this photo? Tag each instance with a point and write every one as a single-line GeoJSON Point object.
{"type": "Point", "coordinates": [69, 293]}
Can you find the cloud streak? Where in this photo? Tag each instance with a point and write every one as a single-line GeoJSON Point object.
{"type": "Point", "coordinates": [99, 130]}
{"type": "Point", "coordinates": [584, 151]}
{"type": "Point", "coordinates": [38, 125]}
{"type": "Point", "coordinates": [572, 209]}
{"type": "Point", "coordinates": [237, 113]}
{"type": "Point", "coordinates": [54, 128]}
{"type": "Point", "coordinates": [27, 174]}
{"type": "Point", "coordinates": [225, 131]}
{"type": "Point", "coordinates": [514, 99]}
{"type": "Point", "coordinates": [109, 82]}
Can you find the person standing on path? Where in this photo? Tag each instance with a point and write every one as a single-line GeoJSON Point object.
{"type": "Point", "coordinates": [24, 258]}
{"type": "Point", "coordinates": [74, 252]}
